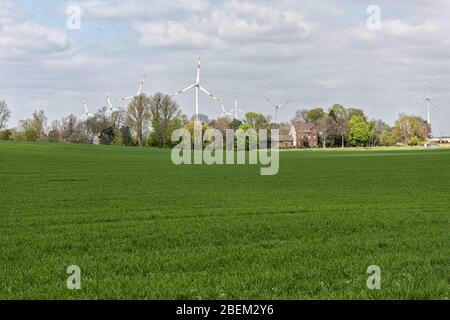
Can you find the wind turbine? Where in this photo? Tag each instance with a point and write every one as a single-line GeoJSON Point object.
{"type": "Point", "coordinates": [236, 109]}
{"type": "Point", "coordinates": [428, 102]}
{"type": "Point", "coordinates": [110, 108]}
{"type": "Point", "coordinates": [86, 114]}
{"type": "Point", "coordinates": [141, 85]}
{"type": "Point", "coordinates": [198, 87]}
{"type": "Point", "coordinates": [277, 106]}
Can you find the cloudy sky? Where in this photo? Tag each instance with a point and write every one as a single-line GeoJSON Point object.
{"type": "Point", "coordinates": [318, 52]}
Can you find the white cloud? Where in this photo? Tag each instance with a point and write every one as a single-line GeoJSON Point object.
{"type": "Point", "coordinates": [230, 22]}
{"type": "Point", "coordinates": [20, 38]}
{"type": "Point", "coordinates": [258, 22]}
{"type": "Point", "coordinates": [171, 33]}
{"type": "Point", "coordinates": [400, 28]}
{"type": "Point", "coordinates": [123, 9]}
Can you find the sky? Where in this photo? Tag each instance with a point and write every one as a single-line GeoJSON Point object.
{"type": "Point", "coordinates": [317, 52]}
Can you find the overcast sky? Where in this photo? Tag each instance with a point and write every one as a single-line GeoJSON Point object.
{"type": "Point", "coordinates": [318, 52]}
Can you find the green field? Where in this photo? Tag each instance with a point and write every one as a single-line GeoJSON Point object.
{"type": "Point", "coordinates": [140, 227]}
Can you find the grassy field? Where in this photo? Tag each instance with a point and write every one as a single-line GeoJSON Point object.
{"type": "Point", "coordinates": [141, 228]}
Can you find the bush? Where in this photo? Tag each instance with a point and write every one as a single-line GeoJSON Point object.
{"type": "Point", "coordinates": [107, 135]}
{"type": "Point", "coordinates": [6, 135]}
{"type": "Point", "coordinates": [126, 137]}
{"type": "Point", "coordinates": [414, 141]}
{"type": "Point", "coordinates": [54, 136]}
{"type": "Point", "coordinates": [31, 135]}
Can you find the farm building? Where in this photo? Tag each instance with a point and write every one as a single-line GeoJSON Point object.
{"type": "Point", "coordinates": [304, 135]}
{"type": "Point", "coordinates": [298, 135]}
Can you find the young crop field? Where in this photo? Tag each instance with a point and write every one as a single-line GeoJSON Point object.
{"type": "Point", "coordinates": [140, 227]}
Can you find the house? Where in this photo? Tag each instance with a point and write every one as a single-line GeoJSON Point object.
{"type": "Point", "coordinates": [304, 135]}
{"type": "Point", "coordinates": [285, 138]}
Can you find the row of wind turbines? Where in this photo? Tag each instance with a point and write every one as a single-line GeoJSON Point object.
{"type": "Point", "coordinates": [198, 88]}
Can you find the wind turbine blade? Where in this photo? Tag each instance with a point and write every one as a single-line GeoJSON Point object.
{"type": "Point", "coordinates": [125, 98]}
{"type": "Point", "coordinates": [282, 104]}
{"type": "Point", "coordinates": [198, 70]}
{"type": "Point", "coordinates": [141, 86]}
{"type": "Point", "coordinates": [183, 91]}
{"type": "Point", "coordinates": [270, 101]}
{"type": "Point", "coordinates": [212, 95]}
{"type": "Point", "coordinates": [108, 99]}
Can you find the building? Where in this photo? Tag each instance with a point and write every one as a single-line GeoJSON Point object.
{"type": "Point", "coordinates": [285, 138]}
{"type": "Point", "coordinates": [304, 135]}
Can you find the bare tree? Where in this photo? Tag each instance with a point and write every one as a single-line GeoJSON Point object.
{"type": "Point", "coordinates": [139, 115]}
{"type": "Point", "coordinates": [39, 122]}
{"type": "Point", "coordinates": [300, 116]}
{"type": "Point", "coordinates": [4, 114]}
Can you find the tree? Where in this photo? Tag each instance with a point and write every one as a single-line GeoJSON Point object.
{"type": "Point", "coordinates": [39, 122]}
{"type": "Point", "coordinates": [138, 117]}
{"type": "Point", "coordinates": [315, 116]}
{"type": "Point", "coordinates": [300, 116]}
{"type": "Point", "coordinates": [372, 130]}
{"type": "Point", "coordinates": [54, 135]}
{"type": "Point", "coordinates": [31, 134]}
{"type": "Point", "coordinates": [407, 127]}
{"type": "Point", "coordinates": [221, 124]}
{"type": "Point", "coordinates": [164, 111]}
{"type": "Point", "coordinates": [359, 133]}
{"type": "Point", "coordinates": [235, 124]}
{"type": "Point", "coordinates": [328, 128]}
{"type": "Point", "coordinates": [340, 114]}
{"type": "Point", "coordinates": [34, 126]}
{"type": "Point", "coordinates": [107, 135]}
{"type": "Point", "coordinates": [203, 118]}
{"type": "Point", "coordinates": [4, 114]}
{"type": "Point", "coordinates": [352, 112]}
{"type": "Point", "coordinates": [257, 120]}
{"type": "Point", "coordinates": [69, 127]}
{"type": "Point", "coordinates": [125, 136]}
{"type": "Point", "coordinates": [6, 135]}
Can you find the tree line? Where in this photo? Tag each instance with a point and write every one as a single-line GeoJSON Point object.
{"type": "Point", "coordinates": [150, 121]}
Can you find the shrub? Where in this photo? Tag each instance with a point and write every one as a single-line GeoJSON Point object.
{"type": "Point", "coordinates": [6, 135]}
{"type": "Point", "coordinates": [31, 135]}
{"type": "Point", "coordinates": [54, 136]}
{"type": "Point", "coordinates": [414, 141]}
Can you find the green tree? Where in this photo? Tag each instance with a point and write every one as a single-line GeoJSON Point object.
{"type": "Point", "coordinates": [359, 132]}
{"type": "Point", "coordinates": [235, 124]}
{"type": "Point", "coordinates": [315, 116]}
{"type": "Point", "coordinates": [256, 120]}
{"type": "Point", "coordinates": [126, 137]}
{"type": "Point", "coordinates": [407, 127]}
{"type": "Point", "coordinates": [107, 135]}
{"type": "Point", "coordinates": [31, 134]}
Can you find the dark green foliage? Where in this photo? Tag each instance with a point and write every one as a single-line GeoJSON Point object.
{"type": "Point", "coordinates": [126, 137]}
{"type": "Point", "coordinates": [31, 135]}
{"type": "Point", "coordinates": [107, 135]}
{"type": "Point", "coordinates": [6, 135]}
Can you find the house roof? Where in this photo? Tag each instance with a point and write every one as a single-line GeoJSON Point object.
{"type": "Point", "coordinates": [303, 127]}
